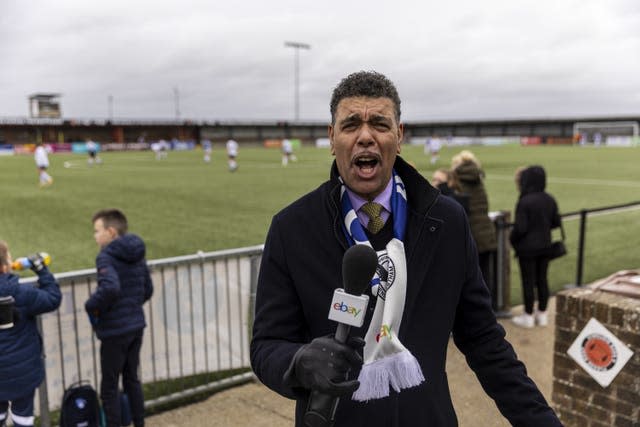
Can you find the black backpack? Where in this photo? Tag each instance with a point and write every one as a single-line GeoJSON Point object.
{"type": "Point", "coordinates": [80, 406]}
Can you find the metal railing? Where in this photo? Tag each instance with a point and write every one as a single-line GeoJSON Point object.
{"type": "Point", "coordinates": [198, 324]}
{"type": "Point", "coordinates": [583, 214]}
{"type": "Point", "coordinates": [199, 319]}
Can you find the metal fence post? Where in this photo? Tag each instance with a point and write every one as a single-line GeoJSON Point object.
{"type": "Point", "coordinates": [580, 261]}
{"type": "Point", "coordinates": [502, 266]}
{"type": "Point", "coordinates": [499, 262]}
{"type": "Point", "coordinates": [43, 392]}
{"type": "Point", "coordinates": [255, 270]}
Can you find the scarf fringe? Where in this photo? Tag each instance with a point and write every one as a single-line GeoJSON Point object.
{"type": "Point", "coordinates": [401, 370]}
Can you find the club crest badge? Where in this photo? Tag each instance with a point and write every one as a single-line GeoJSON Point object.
{"type": "Point", "coordinates": [384, 277]}
{"type": "Point", "coordinates": [599, 352]}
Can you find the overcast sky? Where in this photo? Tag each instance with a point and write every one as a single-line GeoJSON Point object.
{"type": "Point", "coordinates": [227, 59]}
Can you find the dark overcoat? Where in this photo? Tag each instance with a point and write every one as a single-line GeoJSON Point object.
{"type": "Point", "coordinates": [301, 267]}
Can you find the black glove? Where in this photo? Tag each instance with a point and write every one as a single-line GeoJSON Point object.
{"type": "Point", "coordinates": [37, 262]}
{"type": "Point", "coordinates": [323, 365]}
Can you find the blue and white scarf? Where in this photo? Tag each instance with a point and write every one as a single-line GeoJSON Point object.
{"type": "Point", "coordinates": [386, 360]}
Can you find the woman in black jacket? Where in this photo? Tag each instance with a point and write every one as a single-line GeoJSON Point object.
{"type": "Point", "coordinates": [536, 215]}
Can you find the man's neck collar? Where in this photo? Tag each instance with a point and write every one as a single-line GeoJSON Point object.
{"type": "Point", "coordinates": [383, 198]}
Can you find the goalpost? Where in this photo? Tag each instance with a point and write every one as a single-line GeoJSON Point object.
{"type": "Point", "coordinates": [618, 133]}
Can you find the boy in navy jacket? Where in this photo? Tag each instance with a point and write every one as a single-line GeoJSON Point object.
{"type": "Point", "coordinates": [21, 361]}
{"type": "Point", "coordinates": [115, 311]}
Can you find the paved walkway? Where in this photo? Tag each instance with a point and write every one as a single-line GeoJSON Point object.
{"type": "Point", "coordinates": [253, 405]}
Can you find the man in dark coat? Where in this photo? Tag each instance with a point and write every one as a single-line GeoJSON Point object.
{"type": "Point", "coordinates": [292, 351]}
{"type": "Point", "coordinates": [115, 311]}
{"type": "Point", "coordinates": [21, 361]}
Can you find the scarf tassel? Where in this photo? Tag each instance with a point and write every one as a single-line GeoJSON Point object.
{"type": "Point", "coordinates": [401, 370]}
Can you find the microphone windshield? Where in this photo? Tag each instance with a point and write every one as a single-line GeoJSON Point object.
{"type": "Point", "coordinates": [358, 267]}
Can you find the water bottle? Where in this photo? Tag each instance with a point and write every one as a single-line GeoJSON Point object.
{"type": "Point", "coordinates": [23, 263]}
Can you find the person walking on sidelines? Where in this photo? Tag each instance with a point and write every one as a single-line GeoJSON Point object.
{"type": "Point", "coordinates": [21, 362]}
{"type": "Point", "coordinates": [42, 162]}
{"type": "Point", "coordinates": [115, 312]}
{"type": "Point", "coordinates": [536, 214]}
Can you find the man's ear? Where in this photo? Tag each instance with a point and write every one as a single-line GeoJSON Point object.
{"type": "Point", "coordinates": [112, 232]}
{"type": "Point", "coordinates": [330, 132]}
{"type": "Point", "coordinates": [400, 136]}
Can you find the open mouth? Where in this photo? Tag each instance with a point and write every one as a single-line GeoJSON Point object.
{"type": "Point", "coordinates": [366, 161]}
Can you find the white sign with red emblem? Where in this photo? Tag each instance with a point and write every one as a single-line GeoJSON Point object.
{"type": "Point", "coordinates": [599, 352]}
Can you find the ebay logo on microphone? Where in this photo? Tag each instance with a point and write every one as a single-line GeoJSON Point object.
{"type": "Point", "coordinates": [346, 308]}
{"type": "Point", "coordinates": [341, 306]}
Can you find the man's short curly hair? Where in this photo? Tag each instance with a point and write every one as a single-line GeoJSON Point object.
{"type": "Point", "coordinates": [364, 83]}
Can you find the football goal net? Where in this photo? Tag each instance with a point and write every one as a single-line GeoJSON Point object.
{"type": "Point", "coordinates": [619, 133]}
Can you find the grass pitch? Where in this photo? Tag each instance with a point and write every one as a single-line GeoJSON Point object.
{"type": "Point", "coordinates": [181, 204]}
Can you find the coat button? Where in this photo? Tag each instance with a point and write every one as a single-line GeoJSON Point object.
{"type": "Point", "coordinates": [433, 228]}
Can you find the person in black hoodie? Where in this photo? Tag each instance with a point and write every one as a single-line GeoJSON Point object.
{"type": "Point", "coordinates": [115, 311]}
{"type": "Point", "coordinates": [536, 215]}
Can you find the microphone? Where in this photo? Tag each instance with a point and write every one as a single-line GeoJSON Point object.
{"type": "Point", "coordinates": [348, 308]}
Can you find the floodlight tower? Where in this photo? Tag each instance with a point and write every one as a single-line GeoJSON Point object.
{"type": "Point", "coordinates": [297, 46]}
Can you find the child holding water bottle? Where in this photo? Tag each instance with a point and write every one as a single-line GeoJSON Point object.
{"type": "Point", "coordinates": [21, 363]}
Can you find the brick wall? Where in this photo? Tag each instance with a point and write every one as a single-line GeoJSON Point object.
{"type": "Point", "coordinates": [577, 398]}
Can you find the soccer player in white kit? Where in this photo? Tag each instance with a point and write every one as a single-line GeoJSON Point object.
{"type": "Point", "coordinates": [287, 152]}
{"type": "Point", "coordinates": [433, 146]}
{"type": "Point", "coordinates": [232, 153]}
{"type": "Point", "coordinates": [42, 162]}
{"type": "Point", "coordinates": [92, 151]}
{"type": "Point", "coordinates": [160, 148]}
